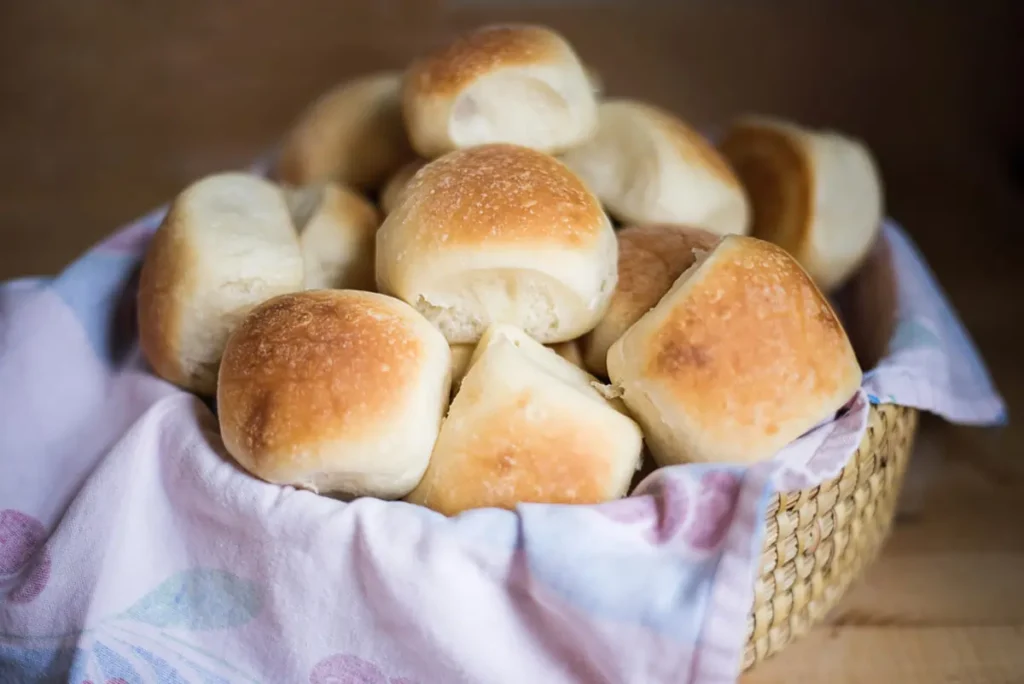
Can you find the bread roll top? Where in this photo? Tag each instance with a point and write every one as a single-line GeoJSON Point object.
{"type": "Point", "coordinates": [742, 356]}
{"type": "Point", "coordinates": [514, 83]}
{"type": "Point", "coordinates": [497, 195]}
{"type": "Point", "coordinates": [499, 234]}
{"type": "Point", "coordinates": [448, 70]}
{"type": "Point", "coordinates": [336, 363]}
{"type": "Point", "coordinates": [313, 385]}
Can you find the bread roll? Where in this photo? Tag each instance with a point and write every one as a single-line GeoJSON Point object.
{"type": "Point", "coordinates": [651, 257]}
{"type": "Point", "coordinates": [527, 426]}
{"type": "Point", "coordinates": [816, 194]}
{"type": "Point", "coordinates": [337, 234]}
{"type": "Point", "coordinates": [516, 84]}
{"type": "Point", "coordinates": [742, 356]}
{"type": "Point", "coordinates": [391, 194]}
{"type": "Point", "coordinates": [353, 134]}
{"type": "Point", "coordinates": [336, 391]}
{"type": "Point", "coordinates": [499, 234]}
{"type": "Point", "coordinates": [647, 166]}
{"type": "Point", "coordinates": [225, 245]}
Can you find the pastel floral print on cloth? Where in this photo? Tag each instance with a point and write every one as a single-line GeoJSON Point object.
{"type": "Point", "coordinates": [23, 572]}
{"type": "Point", "coordinates": [697, 510]}
{"type": "Point", "coordinates": [146, 643]}
{"type": "Point", "coordinates": [349, 669]}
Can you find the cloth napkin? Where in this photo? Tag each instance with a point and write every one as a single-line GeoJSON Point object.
{"type": "Point", "coordinates": [132, 549]}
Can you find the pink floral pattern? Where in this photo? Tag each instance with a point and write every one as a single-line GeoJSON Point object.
{"type": "Point", "coordinates": [35, 582]}
{"type": "Point", "coordinates": [21, 536]}
{"type": "Point", "coordinates": [663, 509]}
{"type": "Point", "coordinates": [716, 505]}
{"type": "Point", "coordinates": [674, 502]}
{"type": "Point", "coordinates": [628, 511]}
{"type": "Point", "coordinates": [343, 668]}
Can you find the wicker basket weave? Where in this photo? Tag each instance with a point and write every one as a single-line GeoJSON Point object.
{"type": "Point", "coordinates": [820, 539]}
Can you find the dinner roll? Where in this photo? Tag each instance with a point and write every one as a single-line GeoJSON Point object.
{"type": "Point", "coordinates": [742, 356]}
{"type": "Point", "coordinates": [499, 234]}
{"type": "Point", "coordinates": [516, 84]}
{"type": "Point", "coordinates": [527, 426]}
{"type": "Point", "coordinates": [353, 134]}
{"type": "Point", "coordinates": [225, 245]}
{"type": "Point", "coordinates": [816, 194]}
{"type": "Point", "coordinates": [647, 166]}
{"type": "Point", "coordinates": [651, 257]}
{"type": "Point", "coordinates": [336, 391]}
{"type": "Point", "coordinates": [337, 234]}
{"type": "Point", "coordinates": [391, 193]}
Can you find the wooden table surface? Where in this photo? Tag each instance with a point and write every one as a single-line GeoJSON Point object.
{"type": "Point", "coordinates": [108, 107]}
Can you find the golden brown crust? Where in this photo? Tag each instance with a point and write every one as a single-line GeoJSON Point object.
{"type": "Point", "coordinates": [752, 333]}
{"type": "Point", "coordinates": [448, 70]}
{"type": "Point", "coordinates": [315, 366]}
{"type": "Point", "coordinates": [651, 257]}
{"type": "Point", "coordinates": [516, 456]}
{"type": "Point", "coordinates": [778, 180]}
{"type": "Point", "coordinates": [501, 192]}
{"type": "Point", "coordinates": [164, 275]}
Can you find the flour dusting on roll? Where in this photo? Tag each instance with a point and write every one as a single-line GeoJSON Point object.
{"type": "Point", "coordinates": [816, 194]}
{"type": "Point", "coordinates": [337, 391]}
{"type": "Point", "coordinates": [516, 84]}
{"type": "Point", "coordinates": [499, 234]}
{"type": "Point", "coordinates": [741, 357]}
{"type": "Point", "coordinates": [647, 166]}
{"type": "Point", "coordinates": [226, 245]}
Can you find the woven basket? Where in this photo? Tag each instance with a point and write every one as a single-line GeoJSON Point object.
{"type": "Point", "coordinates": [820, 539]}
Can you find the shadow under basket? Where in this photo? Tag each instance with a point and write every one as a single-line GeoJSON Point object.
{"type": "Point", "coordinates": [819, 540]}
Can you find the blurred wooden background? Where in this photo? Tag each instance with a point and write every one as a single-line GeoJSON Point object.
{"type": "Point", "coordinates": [108, 107]}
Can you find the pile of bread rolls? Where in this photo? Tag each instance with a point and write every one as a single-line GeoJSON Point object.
{"type": "Point", "coordinates": [482, 335]}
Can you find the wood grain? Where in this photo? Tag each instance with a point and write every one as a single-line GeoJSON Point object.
{"type": "Point", "coordinates": [110, 106]}
{"type": "Point", "coordinates": [909, 655]}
